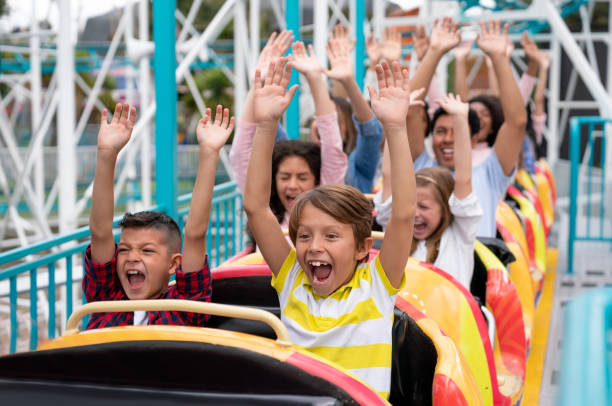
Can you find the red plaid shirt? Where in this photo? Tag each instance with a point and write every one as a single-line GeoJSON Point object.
{"type": "Point", "coordinates": [102, 283]}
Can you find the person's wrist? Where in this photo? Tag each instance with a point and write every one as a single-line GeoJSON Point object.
{"type": "Point", "coordinates": [268, 123]}
{"type": "Point", "coordinates": [107, 153]}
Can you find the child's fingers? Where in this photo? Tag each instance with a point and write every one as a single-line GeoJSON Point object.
{"type": "Point", "coordinates": [271, 40]}
{"type": "Point", "coordinates": [310, 51]}
{"type": "Point", "coordinates": [204, 120]}
{"type": "Point", "coordinates": [257, 79]}
{"type": "Point", "coordinates": [380, 77]}
{"type": "Point", "coordinates": [387, 74]}
{"type": "Point", "coordinates": [125, 112]}
{"type": "Point", "coordinates": [230, 128]}
{"type": "Point", "coordinates": [290, 93]}
{"type": "Point", "coordinates": [132, 117]}
{"type": "Point", "coordinates": [117, 113]}
{"type": "Point", "coordinates": [104, 117]}
{"type": "Point", "coordinates": [405, 80]}
{"type": "Point", "coordinates": [397, 74]}
{"type": "Point", "coordinates": [373, 94]}
{"type": "Point", "coordinates": [505, 30]}
{"type": "Point", "coordinates": [225, 118]}
{"type": "Point", "coordinates": [270, 73]}
{"type": "Point", "coordinates": [286, 78]}
{"type": "Point", "coordinates": [218, 114]}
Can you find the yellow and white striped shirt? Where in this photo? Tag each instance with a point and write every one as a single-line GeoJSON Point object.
{"type": "Point", "coordinates": [351, 327]}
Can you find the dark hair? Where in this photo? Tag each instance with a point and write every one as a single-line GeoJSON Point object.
{"type": "Point", "coordinates": [441, 182]}
{"type": "Point", "coordinates": [345, 113]}
{"type": "Point", "coordinates": [158, 221]}
{"type": "Point", "coordinates": [309, 151]}
{"type": "Point", "coordinates": [473, 120]}
{"type": "Point", "coordinates": [494, 106]}
{"type": "Point", "coordinates": [344, 203]}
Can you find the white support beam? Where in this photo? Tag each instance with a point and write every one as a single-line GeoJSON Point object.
{"type": "Point", "coordinates": [66, 156]}
{"type": "Point", "coordinates": [188, 23]}
{"type": "Point", "coordinates": [35, 104]}
{"type": "Point", "coordinates": [240, 57]}
{"type": "Point", "coordinates": [144, 85]}
{"type": "Point", "coordinates": [320, 30]}
{"type": "Point", "coordinates": [553, 103]}
{"type": "Point", "coordinates": [254, 27]}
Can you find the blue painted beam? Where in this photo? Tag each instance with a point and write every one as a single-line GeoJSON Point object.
{"type": "Point", "coordinates": [292, 18]}
{"type": "Point", "coordinates": [359, 42]}
{"type": "Point", "coordinates": [164, 66]}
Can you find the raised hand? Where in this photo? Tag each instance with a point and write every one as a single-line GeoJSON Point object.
{"type": "Point", "coordinates": [453, 105]}
{"type": "Point", "coordinates": [392, 101]}
{"type": "Point", "coordinates": [543, 60]}
{"type": "Point", "coordinates": [304, 62]}
{"type": "Point", "coordinates": [271, 98]}
{"type": "Point", "coordinates": [342, 35]}
{"type": "Point", "coordinates": [463, 50]}
{"type": "Point", "coordinates": [374, 50]}
{"type": "Point", "coordinates": [114, 136]}
{"type": "Point", "coordinates": [444, 35]}
{"type": "Point", "coordinates": [392, 44]}
{"type": "Point", "coordinates": [276, 47]}
{"type": "Point", "coordinates": [491, 40]}
{"type": "Point", "coordinates": [339, 55]}
{"type": "Point", "coordinates": [211, 134]}
{"type": "Point", "coordinates": [531, 49]}
{"type": "Point", "coordinates": [420, 42]}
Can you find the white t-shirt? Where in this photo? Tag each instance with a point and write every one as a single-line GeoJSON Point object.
{"type": "Point", "coordinates": [456, 253]}
{"type": "Point", "coordinates": [141, 318]}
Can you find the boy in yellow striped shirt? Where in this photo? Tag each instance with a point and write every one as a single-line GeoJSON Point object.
{"type": "Point", "coordinates": [334, 302]}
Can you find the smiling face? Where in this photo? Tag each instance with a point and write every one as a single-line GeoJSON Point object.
{"type": "Point", "coordinates": [444, 141]}
{"type": "Point", "coordinates": [326, 250]}
{"type": "Point", "coordinates": [484, 116]}
{"type": "Point", "coordinates": [144, 263]}
{"type": "Point", "coordinates": [428, 213]}
{"type": "Point", "coordinates": [293, 178]}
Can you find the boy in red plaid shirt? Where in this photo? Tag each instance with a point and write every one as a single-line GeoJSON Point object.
{"type": "Point", "coordinates": [149, 249]}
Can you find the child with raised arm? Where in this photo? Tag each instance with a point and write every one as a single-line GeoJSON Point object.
{"type": "Point", "coordinates": [149, 249]}
{"type": "Point", "coordinates": [332, 300]}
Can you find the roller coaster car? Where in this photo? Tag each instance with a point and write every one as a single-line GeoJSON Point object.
{"type": "Point", "coordinates": [158, 365]}
{"type": "Point", "coordinates": [426, 366]}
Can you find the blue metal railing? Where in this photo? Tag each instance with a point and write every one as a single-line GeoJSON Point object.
{"type": "Point", "coordinates": [594, 126]}
{"type": "Point", "coordinates": [585, 370]}
{"type": "Point", "coordinates": [224, 240]}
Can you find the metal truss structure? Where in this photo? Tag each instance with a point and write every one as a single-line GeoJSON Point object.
{"type": "Point", "coordinates": [175, 55]}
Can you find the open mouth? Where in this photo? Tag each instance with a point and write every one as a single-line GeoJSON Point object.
{"type": "Point", "coordinates": [290, 200]}
{"type": "Point", "coordinates": [320, 271]}
{"type": "Point", "coordinates": [135, 279]}
{"type": "Point", "coordinates": [419, 226]}
{"type": "Point", "coordinates": [447, 153]}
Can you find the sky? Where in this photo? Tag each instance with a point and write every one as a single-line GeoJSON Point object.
{"type": "Point", "coordinates": [20, 12]}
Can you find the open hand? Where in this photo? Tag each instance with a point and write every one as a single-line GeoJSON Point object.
{"type": "Point", "coordinates": [214, 134]}
{"type": "Point", "coordinates": [444, 35]}
{"type": "Point", "coordinates": [304, 62]}
{"type": "Point", "coordinates": [276, 47]}
{"type": "Point", "coordinates": [339, 54]}
{"type": "Point", "coordinates": [491, 40]}
{"type": "Point", "coordinates": [453, 105]}
{"type": "Point", "coordinates": [114, 136]}
{"type": "Point", "coordinates": [373, 49]}
{"type": "Point", "coordinates": [420, 42]}
{"type": "Point", "coordinates": [392, 101]}
{"type": "Point", "coordinates": [342, 35]}
{"type": "Point", "coordinates": [271, 98]}
{"type": "Point", "coordinates": [543, 60]}
{"type": "Point", "coordinates": [531, 49]}
{"type": "Point", "coordinates": [392, 44]}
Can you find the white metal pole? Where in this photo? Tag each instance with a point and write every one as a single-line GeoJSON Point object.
{"type": "Point", "coordinates": [35, 103]}
{"type": "Point", "coordinates": [254, 9]}
{"type": "Point", "coordinates": [320, 30]}
{"type": "Point", "coordinates": [144, 84]}
{"type": "Point", "coordinates": [378, 15]}
{"type": "Point", "coordinates": [240, 87]}
{"type": "Point", "coordinates": [129, 98]}
{"type": "Point", "coordinates": [66, 147]}
{"type": "Point", "coordinates": [553, 102]}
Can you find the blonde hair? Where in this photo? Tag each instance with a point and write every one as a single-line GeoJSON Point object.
{"type": "Point", "coordinates": [344, 203]}
{"type": "Point", "coordinates": [441, 182]}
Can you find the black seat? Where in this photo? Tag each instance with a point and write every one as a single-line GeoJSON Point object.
{"type": "Point", "coordinates": [478, 285]}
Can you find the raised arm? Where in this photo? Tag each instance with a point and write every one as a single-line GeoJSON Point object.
{"type": "Point", "coordinates": [392, 45]}
{"type": "Point", "coordinates": [463, 146]}
{"type": "Point", "coordinates": [211, 137]}
{"type": "Point", "coordinates": [539, 115]}
{"type": "Point", "coordinates": [461, 60]}
{"type": "Point", "coordinates": [271, 101]}
{"type": "Point", "coordinates": [528, 78]}
{"type": "Point", "coordinates": [111, 139]}
{"type": "Point", "coordinates": [306, 63]}
{"type": "Point", "coordinates": [339, 54]}
{"type": "Point", "coordinates": [391, 105]}
{"type": "Point", "coordinates": [444, 37]}
{"type": "Point", "coordinates": [242, 144]}
{"type": "Point", "coordinates": [508, 143]}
